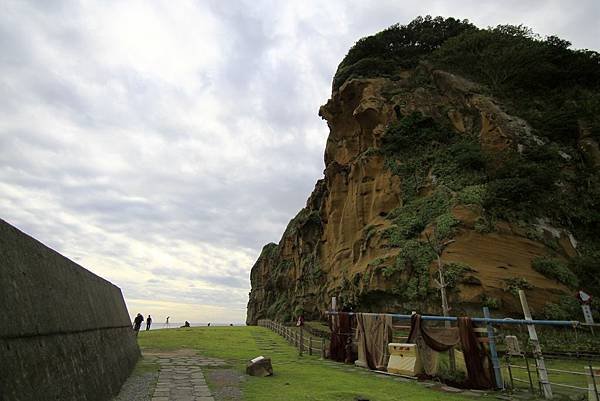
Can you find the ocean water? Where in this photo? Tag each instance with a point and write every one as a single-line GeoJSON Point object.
{"type": "Point", "coordinates": [176, 325]}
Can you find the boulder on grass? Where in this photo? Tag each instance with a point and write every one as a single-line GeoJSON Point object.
{"type": "Point", "coordinates": [260, 367]}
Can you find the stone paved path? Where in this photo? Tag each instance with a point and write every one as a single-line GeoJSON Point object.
{"type": "Point", "coordinates": [181, 378]}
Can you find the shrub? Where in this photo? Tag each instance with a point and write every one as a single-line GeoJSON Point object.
{"type": "Point", "coordinates": [567, 309]}
{"type": "Point", "coordinates": [467, 155]}
{"type": "Point", "coordinates": [587, 268]}
{"type": "Point", "coordinates": [514, 284]}
{"type": "Point", "coordinates": [555, 269]}
{"type": "Point", "coordinates": [449, 376]}
{"type": "Point", "coordinates": [397, 46]}
{"type": "Point", "coordinates": [375, 262]}
{"type": "Point", "coordinates": [411, 131]}
{"type": "Point", "coordinates": [410, 219]}
{"type": "Point", "coordinates": [284, 265]}
{"type": "Point", "coordinates": [444, 225]}
{"type": "Point", "coordinates": [490, 302]}
{"type": "Point", "coordinates": [454, 273]}
{"type": "Point", "coordinates": [520, 182]}
{"type": "Point", "coordinates": [473, 194]}
{"type": "Point", "coordinates": [368, 232]}
{"type": "Point", "coordinates": [410, 222]}
{"type": "Point", "coordinates": [539, 77]}
{"type": "Point", "coordinates": [415, 258]}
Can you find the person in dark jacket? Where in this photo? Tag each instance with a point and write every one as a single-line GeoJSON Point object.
{"type": "Point", "coordinates": [148, 322]}
{"type": "Point", "coordinates": [137, 323]}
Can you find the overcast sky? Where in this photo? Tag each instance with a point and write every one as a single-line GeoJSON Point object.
{"type": "Point", "coordinates": [161, 144]}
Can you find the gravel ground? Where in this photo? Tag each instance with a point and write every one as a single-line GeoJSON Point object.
{"type": "Point", "coordinates": [138, 387]}
{"type": "Point", "coordinates": [225, 384]}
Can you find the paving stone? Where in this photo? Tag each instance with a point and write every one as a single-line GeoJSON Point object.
{"type": "Point", "coordinates": [181, 379]}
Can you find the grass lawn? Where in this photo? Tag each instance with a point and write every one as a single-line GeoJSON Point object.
{"type": "Point", "coordinates": [296, 378]}
{"type": "Point", "coordinates": [579, 366]}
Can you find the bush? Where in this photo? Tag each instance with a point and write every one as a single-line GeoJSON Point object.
{"type": "Point", "coordinates": [412, 218]}
{"type": "Point", "coordinates": [490, 302]}
{"type": "Point", "coordinates": [587, 267]}
{"type": "Point", "coordinates": [449, 376]}
{"type": "Point", "coordinates": [472, 195]}
{"type": "Point", "coordinates": [555, 269]}
{"type": "Point", "coordinates": [415, 258]}
{"type": "Point", "coordinates": [521, 183]}
{"type": "Point", "coordinates": [568, 308]}
{"type": "Point", "coordinates": [514, 284]}
{"type": "Point", "coordinates": [537, 77]}
{"type": "Point", "coordinates": [444, 226]}
{"type": "Point", "coordinates": [454, 273]}
{"type": "Point", "coordinates": [411, 131]}
{"type": "Point", "coordinates": [397, 46]}
{"type": "Point", "coordinates": [467, 155]}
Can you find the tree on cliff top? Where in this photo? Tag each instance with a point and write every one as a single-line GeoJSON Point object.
{"type": "Point", "coordinates": [556, 89]}
{"type": "Point", "coordinates": [398, 46]}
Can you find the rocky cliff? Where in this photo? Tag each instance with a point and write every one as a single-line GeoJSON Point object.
{"type": "Point", "coordinates": [424, 162]}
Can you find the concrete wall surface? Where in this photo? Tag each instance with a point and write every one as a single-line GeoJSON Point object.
{"type": "Point", "coordinates": [65, 333]}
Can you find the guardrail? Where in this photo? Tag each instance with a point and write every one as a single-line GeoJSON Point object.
{"type": "Point", "coordinates": [297, 337]}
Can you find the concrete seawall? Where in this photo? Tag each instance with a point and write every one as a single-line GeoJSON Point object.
{"type": "Point", "coordinates": [65, 333]}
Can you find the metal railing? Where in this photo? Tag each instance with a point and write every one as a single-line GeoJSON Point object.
{"type": "Point", "coordinates": [554, 376]}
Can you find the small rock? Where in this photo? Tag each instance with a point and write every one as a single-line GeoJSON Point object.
{"type": "Point", "coordinates": [260, 367]}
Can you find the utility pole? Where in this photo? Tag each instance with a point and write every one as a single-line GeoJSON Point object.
{"type": "Point", "coordinates": [438, 248]}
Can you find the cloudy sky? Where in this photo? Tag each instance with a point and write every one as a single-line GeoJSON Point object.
{"type": "Point", "coordinates": [161, 144]}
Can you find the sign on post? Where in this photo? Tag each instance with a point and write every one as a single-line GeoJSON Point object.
{"type": "Point", "coordinates": [587, 314]}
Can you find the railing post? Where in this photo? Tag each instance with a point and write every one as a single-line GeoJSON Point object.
{"type": "Point", "coordinates": [595, 386]}
{"type": "Point", "coordinates": [531, 390]}
{"type": "Point", "coordinates": [493, 353]}
{"type": "Point", "coordinates": [301, 341]}
{"type": "Point", "coordinates": [310, 345]}
{"type": "Point", "coordinates": [322, 347]}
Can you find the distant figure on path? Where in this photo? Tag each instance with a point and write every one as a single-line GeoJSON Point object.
{"type": "Point", "coordinates": [208, 324]}
{"type": "Point", "coordinates": [137, 323]}
{"type": "Point", "coordinates": [186, 324]}
{"type": "Point", "coordinates": [167, 322]}
{"type": "Point", "coordinates": [148, 322]}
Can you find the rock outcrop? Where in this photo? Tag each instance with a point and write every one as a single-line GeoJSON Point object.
{"type": "Point", "coordinates": [342, 243]}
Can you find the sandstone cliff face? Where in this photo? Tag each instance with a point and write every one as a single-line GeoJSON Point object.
{"type": "Point", "coordinates": [340, 243]}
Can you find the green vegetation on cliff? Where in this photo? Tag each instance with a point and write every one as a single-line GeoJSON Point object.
{"type": "Point", "coordinates": [486, 135]}
{"type": "Point", "coordinates": [551, 86]}
{"type": "Point", "coordinates": [399, 46]}
{"type": "Point", "coordinates": [555, 89]}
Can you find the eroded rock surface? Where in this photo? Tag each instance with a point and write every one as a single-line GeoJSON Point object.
{"type": "Point", "coordinates": [337, 245]}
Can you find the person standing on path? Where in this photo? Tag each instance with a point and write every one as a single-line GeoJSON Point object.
{"type": "Point", "coordinates": [148, 322]}
{"type": "Point", "coordinates": [137, 323]}
{"type": "Point", "coordinates": [167, 322]}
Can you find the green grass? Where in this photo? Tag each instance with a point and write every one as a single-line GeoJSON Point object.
{"type": "Point", "coordinates": [296, 378]}
{"type": "Point", "coordinates": [145, 365]}
{"type": "Point", "coordinates": [579, 366]}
